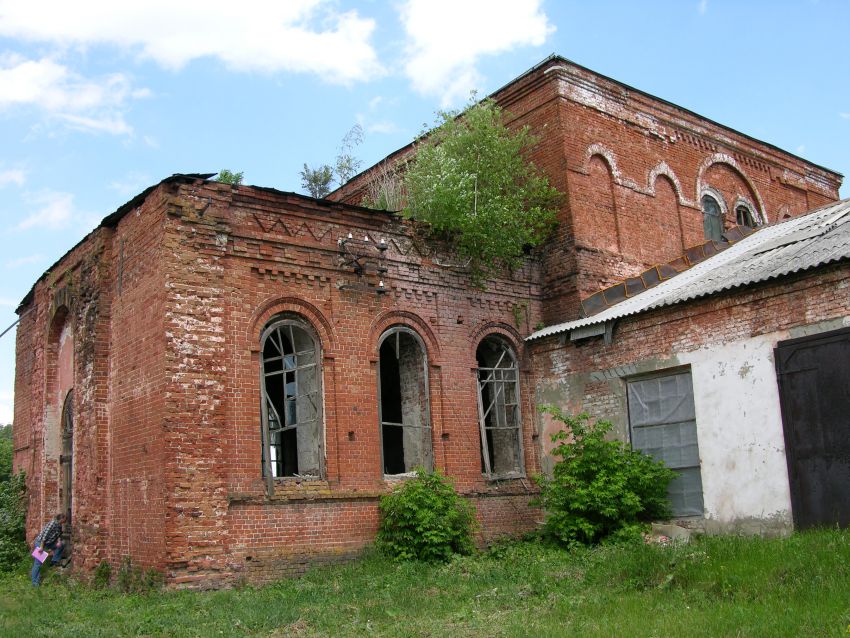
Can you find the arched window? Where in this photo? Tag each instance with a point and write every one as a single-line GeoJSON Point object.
{"type": "Point", "coordinates": [403, 403]}
{"type": "Point", "coordinates": [744, 215]}
{"type": "Point", "coordinates": [712, 217]}
{"type": "Point", "coordinates": [66, 485]}
{"type": "Point", "coordinates": [292, 399]}
{"type": "Point", "coordinates": [498, 409]}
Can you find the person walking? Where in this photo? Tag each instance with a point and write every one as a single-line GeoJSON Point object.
{"type": "Point", "coordinates": [48, 539]}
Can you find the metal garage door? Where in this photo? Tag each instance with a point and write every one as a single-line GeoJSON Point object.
{"type": "Point", "coordinates": [814, 392]}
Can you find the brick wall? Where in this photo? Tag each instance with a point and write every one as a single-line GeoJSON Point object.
{"type": "Point", "coordinates": [727, 342]}
{"type": "Point", "coordinates": [67, 308]}
{"type": "Point", "coordinates": [632, 168]}
{"type": "Point", "coordinates": [231, 260]}
{"type": "Point", "coordinates": [168, 299]}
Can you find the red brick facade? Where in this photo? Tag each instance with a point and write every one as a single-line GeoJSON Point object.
{"type": "Point", "coordinates": [166, 303]}
{"type": "Point", "coordinates": [195, 270]}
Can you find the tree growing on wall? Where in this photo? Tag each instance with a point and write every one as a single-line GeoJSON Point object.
{"type": "Point", "coordinates": [347, 165]}
{"type": "Point", "coordinates": [317, 181]}
{"type": "Point", "coordinates": [226, 176]}
{"type": "Point", "coordinates": [472, 180]}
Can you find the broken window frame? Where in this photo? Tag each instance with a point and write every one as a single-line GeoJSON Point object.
{"type": "Point", "coordinates": [691, 421]}
{"type": "Point", "coordinates": [314, 396]}
{"type": "Point", "coordinates": [428, 454]}
{"type": "Point", "coordinates": [489, 375]}
{"type": "Point", "coordinates": [745, 210]}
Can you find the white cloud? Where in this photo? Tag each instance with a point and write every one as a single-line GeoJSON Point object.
{"type": "Point", "coordinates": [12, 176]}
{"type": "Point", "coordinates": [448, 37]}
{"type": "Point", "coordinates": [253, 35]}
{"type": "Point", "coordinates": [92, 105]}
{"type": "Point", "coordinates": [702, 7]}
{"type": "Point", "coordinates": [846, 116]}
{"type": "Point", "coordinates": [8, 303]}
{"type": "Point", "coordinates": [113, 124]}
{"type": "Point", "coordinates": [55, 211]}
{"type": "Point", "coordinates": [800, 149]}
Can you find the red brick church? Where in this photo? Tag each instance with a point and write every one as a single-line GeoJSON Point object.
{"type": "Point", "coordinates": [221, 381]}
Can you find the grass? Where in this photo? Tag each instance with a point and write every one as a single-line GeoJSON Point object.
{"type": "Point", "coordinates": [717, 586]}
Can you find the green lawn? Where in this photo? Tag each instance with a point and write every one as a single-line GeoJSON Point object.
{"type": "Point", "coordinates": [719, 586]}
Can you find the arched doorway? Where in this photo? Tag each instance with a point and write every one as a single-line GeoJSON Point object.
{"type": "Point", "coordinates": [66, 466]}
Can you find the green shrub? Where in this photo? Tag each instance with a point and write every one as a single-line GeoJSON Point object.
{"type": "Point", "coordinates": [131, 579]}
{"type": "Point", "coordinates": [472, 180]}
{"type": "Point", "coordinates": [102, 575]}
{"type": "Point", "coordinates": [600, 489]}
{"type": "Point", "coordinates": [425, 519]}
{"type": "Point", "coordinates": [13, 543]}
{"type": "Point", "coordinates": [5, 452]}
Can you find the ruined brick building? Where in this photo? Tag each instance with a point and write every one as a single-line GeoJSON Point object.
{"type": "Point", "coordinates": [220, 381]}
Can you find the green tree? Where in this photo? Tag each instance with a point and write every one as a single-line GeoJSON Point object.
{"type": "Point", "coordinates": [13, 545]}
{"type": "Point", "coordinates": [600, 488]}
{"type": "Point", "coordinates": [229, 177]}
{"type": "Point", "coordinates": [317, 181]}
{"type": "Point", "coordinates": [5, 452]}
{"type": "Point", "coordinates": [471, 179]}
{"type": "Point", "coordinates": [347, 165]}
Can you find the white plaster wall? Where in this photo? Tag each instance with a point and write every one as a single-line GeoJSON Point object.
{"type": "Point", "coordinates": [739, 430]}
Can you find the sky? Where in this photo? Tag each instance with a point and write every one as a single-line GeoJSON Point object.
{"type": "Point", "coordinates": [100, 100]}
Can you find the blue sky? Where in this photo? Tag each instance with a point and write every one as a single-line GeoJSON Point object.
{"type": "Point", "coordinates": [99, 101]}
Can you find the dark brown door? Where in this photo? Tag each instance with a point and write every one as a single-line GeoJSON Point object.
{"type": "Point", "coordinates": [814, 393]}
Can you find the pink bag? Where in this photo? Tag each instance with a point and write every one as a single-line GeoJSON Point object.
{"type": "Point", "coordinates": [39, 554]}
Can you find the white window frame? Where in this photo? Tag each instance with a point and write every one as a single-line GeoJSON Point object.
{"type": "Point", "coordinates": [689, 459]}
{"type": "Point", "coordinates": [498, 377]}
{"type": "Point", "coordinates": [269, 414]}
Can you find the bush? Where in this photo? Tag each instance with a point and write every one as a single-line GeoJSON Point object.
{"type": "Point", "coordinates": [424, 519]}
{"type": "Point", "coordinates": [102, 575]}
{"type": "Point", "coordinates": [131, 579]}
{"type": "Point", "coordinates": [600, 489]}
{"type": "Point", "coordinates": [13, 543]}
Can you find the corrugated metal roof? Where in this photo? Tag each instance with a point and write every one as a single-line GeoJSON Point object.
{"type": "Point", "coordinates": [793, 245]}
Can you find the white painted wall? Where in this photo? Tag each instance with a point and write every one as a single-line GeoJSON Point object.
{"type": "Point", "coordinates": [739, 430]}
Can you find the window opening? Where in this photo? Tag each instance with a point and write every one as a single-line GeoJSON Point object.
{"type": "Point", "coordinates": [663, 425]}
{"type": "Point", "coordinates": [744, 216]}
{"type": "Point", "coordinates": [498, 409]}
{"type": "Point", "coordinates": [712, 218]}
{"type": "Point", "coordinates": [66, 460]}
{"type": "Point", "coordinates": [403, 403]}
{"type": "Point", "coordinates": [291, 401]}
